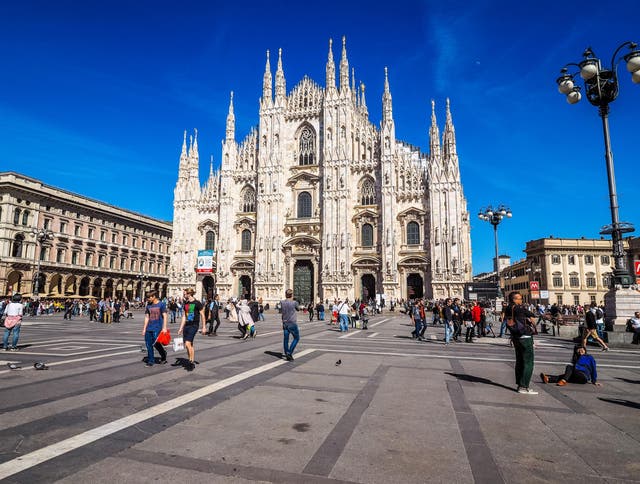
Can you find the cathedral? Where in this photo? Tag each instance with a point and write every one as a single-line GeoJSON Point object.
{"type": "Point", "coordinates": [318, 199]}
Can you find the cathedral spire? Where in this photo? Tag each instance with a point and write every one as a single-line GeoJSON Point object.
{"type": "Point", "coordinates": [363, 101]}
{"type": "Point", "coordinates": [211, 168]}
{"type": "Point", "coordinates": [281, 89]}
{"type": "Point", "coordinates": [449, 135]}
{"type": "Point", "coordinates": [387, 108]}
{"type": "Point", "coordinates": [231, 121]}
{"type": "Point", "coordinates": [182, 170]}
{"type": "Point", "coordinates": [344, 67]}
{"type": "Point", "coordinates": [267, 83]}
{"type": "Point", "coordinates": [434, 132]}
{"type": "Point", "coordinates": [331, 69]}
{"type": "Point", "coordinates": [195, 143]}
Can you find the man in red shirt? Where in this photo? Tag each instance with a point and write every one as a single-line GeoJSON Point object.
{"type": "Point", "coordinates": [476, 316]}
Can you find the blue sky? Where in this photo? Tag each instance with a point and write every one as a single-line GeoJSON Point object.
{"type": "Point", "coordinates": [94, 96]}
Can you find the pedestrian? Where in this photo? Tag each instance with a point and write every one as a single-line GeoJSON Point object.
{"type": "Point", "coordinates": [107, 311]}
{"type": "Point", "coordinates": [447, 316]}
{"type": "Point", "coordinates": [582, 370]}
{"type": "Point", "coordinates": [476, 317]}
{"type": "Point", "coordinates": [320, 310]}
{"type": "Point", "coordinates": [13, 312]}
{"type": "Point", "coordinates": [155, 322]}
{"type": "Point", "coordinates": [416, 318]}
{"type": "Point", "coordinates": [310, 311]}
{"type": "Point", "coordinates": [469, 324]}
{"type": "Point", "coordinates": [457, 319]}
{"type": "Point", "coordinates": [68, 307]}
{"type": "Point", "coordinates": [214, 311]}
{"type": "Point", "coordinates": [173, 308]}
{"type": "Point", "coordinates": [590, 320]}
{"type": "Point", "coordinates": [520, 321]}
{"type": "Point", "coordinates": [343, 314]}
{"type": "Point", "coordinates": [117, 307]}
{"type": "Point", "coordinates": [245, 321]}
{"type": "Point", "coordinates": [192, 316]}
{"type": "Point", "coordinates": [260, 310]}
{"type": "Point", "coordinates": [289, 309]}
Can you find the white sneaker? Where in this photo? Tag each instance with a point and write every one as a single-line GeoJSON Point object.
{"type": "Point", "coordinates": [527, 391]}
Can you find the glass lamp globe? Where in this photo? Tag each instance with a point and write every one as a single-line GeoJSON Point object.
{"type": "Point", "coordinates": [574, 97]}
{"type": "Point", "coordinates": [489, 213]}
{"type": "Point", "coordinates": [509, 214]}
{"type": "Point", "coordinates": [635, 77]}
{"type": "Point", "coordinates": [633, 62]}
{"type": "Point", "coordinates": [588, 70]}
{"type": "Point", "coordinates": [565, 86]}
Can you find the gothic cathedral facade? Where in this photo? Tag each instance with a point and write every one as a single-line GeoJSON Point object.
{"type": "Point", "coordinates": [318, 199]}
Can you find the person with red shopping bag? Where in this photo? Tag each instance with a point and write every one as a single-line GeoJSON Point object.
{"type": "Point", "coordinates": [155, 322]}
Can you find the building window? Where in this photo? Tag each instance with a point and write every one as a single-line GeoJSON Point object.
{"type": "Point", "coordinates": [590, 279]}
{"type": "Point", "coordinates": [87, 259]}
{"type": "Point", "coordinates": [153, 245]}
{"type": "Point", "coordinates": [43, 253]}
{"type": "Point", "coordinates": [114, 238]}
{"type": "Point", "coordinates": [307, 147]}
{"type": "Point", "coordinates": [142, 266]}
{"type": "Point", "coordinates": [132, 266]}
{"type": "Point", "coordinates": [46, 224]}
{"type": "Point", "coordinates": [76, 230]}
{"type": "Point", "coordinates": [571, 260]}
{"type": "Point", "coordinates": [144, 243]}
{"type": "Point", "coordinates": [74, 258]}
{"type": "Point", "coordinates": [125, 239]}
{"type": "Point", "coordinates": [63, 227]}
{"type": "Point", "coordinates": [16, 216]}
{"type": "Point", "coordinates": [246, 240]}
{"type": "Point", "coordinates": [60, 256]}
{"type": "Point", "coordinates": [604, 259]}
{"type": "Point", "coordinates": [557, 279]}
{"type": "Point", "coordinates": [367, 235]}
{"type": "Point", "coordinates": [304, 205]}
{"type": "Point", "coordinates": [135, 242]}
{"type": "Point", "coordinates": [90, 233]}
{"type": "Point", "coordinates": [209, 240]}
{"type": "Point", "coordinates": [574, 280]}
{"type": "Point", "coordinates": [152, 267]}
{"type": "Point", "coordinates": [103, 236]}
{"type": "Point", "coordinates": [588, 259]}
{"type": "Point", "coordinates": [576, 299]}
{"type": "Point", "coordinates": [559, 299]}
{"type": "Point", "coordinates": [122, 264]}
{"type": "Point", "coordinates": [248, 200]}
{"type": "Point", "coordinates": [368, 192]}
{"type": "Point", "coordinates": [101, 260]}
{"type": "Point", "coordinates": [606, 280]}
{"type": "Point", "coordinates": [413, 233]}
{"type": "Point", "coordinates": [592, 298]}
{"type": "Point", "coordinates": [112, 262]}
{"type": "Point", "coordinates": [18, 242]}
{"type": "Point", "coordinates": [25, 218]}
{"type": "Point", "coordinates": [555, 259]}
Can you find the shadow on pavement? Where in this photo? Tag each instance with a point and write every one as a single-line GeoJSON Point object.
{"type": "Point", "coordinates": [275, 354]}
{"type": "Point", "coordinates": [619, 401]}
{"type": "Point", "coordinates": [627, 380]}
{"type": "Point", "coordinates": [477, 379]}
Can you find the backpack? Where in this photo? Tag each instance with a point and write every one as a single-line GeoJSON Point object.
{"type": "Point", "coordinates": [599, 313]}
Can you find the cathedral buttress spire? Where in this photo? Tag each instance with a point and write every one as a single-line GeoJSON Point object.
{"type": "Point", "coordinates": [363, 101]}
{"type": "Point", "coordinates": [387, 108]}
{"type": "Point", "coordinates": [449, 135]}
{"type": "Point", "coordinates": [344, 67]}
{"type": "Point", "coordinates": [281, 88]}
{"type": "Point", "coordinates": [267, 83]}
{"type": "Point", "coordinates": [331, 69]}
{"type": "Point", "coordinates": [184, 158]}
{"type": "Point", "coordinates": [434, 132]}
{"type": "Point", "coordinates": [231, 121]}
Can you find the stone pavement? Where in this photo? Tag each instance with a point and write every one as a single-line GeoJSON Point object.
{"type": "Point", "coordinates": [393, 411]}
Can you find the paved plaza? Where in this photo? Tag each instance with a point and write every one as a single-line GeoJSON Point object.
{"type": "Point", "coordinates": [393, 411]}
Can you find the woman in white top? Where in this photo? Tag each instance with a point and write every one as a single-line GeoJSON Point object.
{"type": "Point", "coordinates": [12, 322]}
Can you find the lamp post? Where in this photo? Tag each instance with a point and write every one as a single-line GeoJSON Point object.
{"type": "Point", "coordinates": [142, 276]}
{"type": "Point", "coordinates": [42, 236]}
{"type": "Point", "coordinates": [494, 217]}
{"type": "Point", "coordinates": [601, 88]}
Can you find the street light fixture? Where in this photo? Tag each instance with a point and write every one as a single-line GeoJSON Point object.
{"type": "Point", "coordinates": [142, 277]}
{"type": "Point", "coordinates": [42, 236]}
{"type": "Point", "coordinates": [601, 88]}
{"type": "Point", "coordinates": [494, 217]}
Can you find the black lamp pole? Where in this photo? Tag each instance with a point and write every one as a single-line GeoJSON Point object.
{"type": "Point", "coordinates": [494, 217]}
{"type": "Point", "coordinates": [601, 88]}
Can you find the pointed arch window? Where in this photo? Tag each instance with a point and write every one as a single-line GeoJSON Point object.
{"type": "Point", "coordinates": [307, 147]}
{"type": "Point", "coordinates": [245, 240]}
{"type": "Point", "coordinates": [248, 200]}
{"type": "Point", "coordinates": [367, 235]}
{"type": "Point", "coordinates": [367, 192]}
{"type": "Point", "coordinates": [304, 205]}
{"type": "Point", "coordinates": [18, 242]}
{"type": "Point", "coordinates": [209, 240]}
{"type": "Point", "coordinates": [413, 233]}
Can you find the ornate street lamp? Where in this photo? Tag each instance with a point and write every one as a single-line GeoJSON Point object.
{"type": "Point", "coordinates": [494, 217]}
{"type": "Point", "coordinates": [601, 88]}
{"type": "Point", "coordinates": [42, 236]}
{"type": "Point", "coordinates": [141, 278]}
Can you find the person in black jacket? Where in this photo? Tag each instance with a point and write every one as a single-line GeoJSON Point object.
{"type": "Point", "coordinates": [592, 328]}
{"type": "Point", "coordinates": [518, 318]}
{"type": "Point", "coordinates": [447, 314]}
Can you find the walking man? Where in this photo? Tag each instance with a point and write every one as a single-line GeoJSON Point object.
{"type": "Point", "coordinates": [590, 320]}
{"type": "Point", "coordinates": [447, 314]}
{"type": "Point", "coordinates": [290, 323]}
{"type": "Point", "coordinates": [155, 322]}
{"type": "Point", "coordinates": [214, 316]}
{"type": "Point", "coordinates": [192, 316]}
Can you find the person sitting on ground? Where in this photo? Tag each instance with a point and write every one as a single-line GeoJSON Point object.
{"type": "Point", "coordinates": [635, 327]}
{"type": "Point", "coordinates": [582, 370]}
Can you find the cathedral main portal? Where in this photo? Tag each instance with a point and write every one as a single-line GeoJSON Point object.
{"type": "Point", "coordinates": [303, 281]}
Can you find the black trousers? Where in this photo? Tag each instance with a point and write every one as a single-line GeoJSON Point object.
{"type": "Point", "coordinates": [570, 375]}
{"type": "Point", "coordinates": [210, 327]}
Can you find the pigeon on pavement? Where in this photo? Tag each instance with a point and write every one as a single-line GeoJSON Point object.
{"type": "Point", "coordinates": [13, 366]}
{"type": "Point", "coordinates": [338, 363]}
{"type": "Point", "coordinates": [39, 365]}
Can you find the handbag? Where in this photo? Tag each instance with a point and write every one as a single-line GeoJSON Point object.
{"type": "Point", "coordinates": [178, 343]}
{"type": "Point", "coordinates": [164, 338]}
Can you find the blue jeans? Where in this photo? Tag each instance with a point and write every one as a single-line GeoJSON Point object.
{"type": "Point", "coordinates": [448, 331]}
{"type": "Point", "coordinates": [150, 338]}
{"type": "Point", "coordinates": [16, 335]}
{"type": "Point", "coordinates": [172, 316]}
{"type": "Point", "coordinates": [290, 329]}
{"type": "Point", "coordinates": [260, 316]}
{"type": "Point", "coordinates": [321, 315]}
{"type": "Point", "coordinates": [344, 322]}
{"type": "Point", "coordinates": [503, 328]}
{"type": "Point", "coordinates": [418, 324]}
